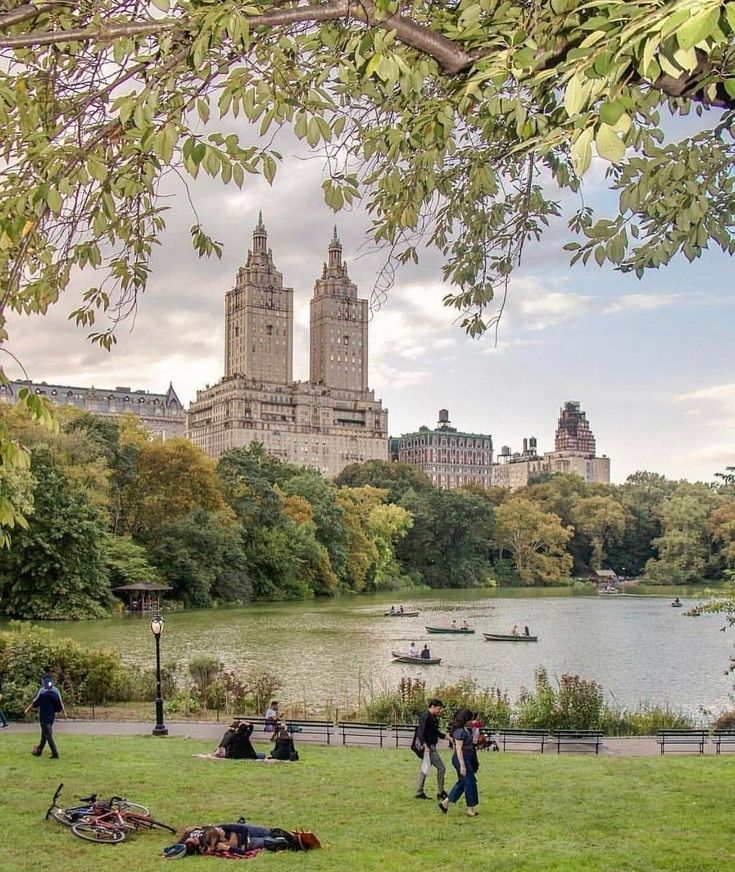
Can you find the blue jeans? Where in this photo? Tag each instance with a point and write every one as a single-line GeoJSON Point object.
{"type": "Point", "coordinates": [466, 784]}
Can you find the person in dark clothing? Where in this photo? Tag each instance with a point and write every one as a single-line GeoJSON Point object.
{"type": "Point", "coordinates": [425, 653]}
{"type": "Point", "coordinates": [240, 838]}
{"type": "Point", "coordinates": [427, 736]}
{"type": "Point", "coordinates": [48, 704]}
{"type": "Point", "coordinates": [283, 748]}
{"type": "Point", "coordinates": [466, 764]}
{"type": "Point", "coordinates": [3, 720]}
{"type": "Point", "coordinates": [239, 746]}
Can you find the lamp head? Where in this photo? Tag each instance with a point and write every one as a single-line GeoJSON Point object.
{"type": "Point", "coordinates": [157, 626]}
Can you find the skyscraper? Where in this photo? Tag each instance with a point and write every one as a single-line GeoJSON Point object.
{"type": "Point", "coordinates": [327, 422]}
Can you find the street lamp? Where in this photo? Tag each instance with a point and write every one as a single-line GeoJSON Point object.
{"type": "Point", "coordinates": [157, 630]}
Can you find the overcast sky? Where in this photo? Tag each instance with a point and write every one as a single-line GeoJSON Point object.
{"type": "Point", "coordinates": [651, 361]}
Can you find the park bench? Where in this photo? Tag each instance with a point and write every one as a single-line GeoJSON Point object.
{"type": "Point", "coordinates": [364, 731]}
{"type": "Point", "coordinates": [723, 737]}
{"type": "Point", "coordinates": [592, 738]}
{"type": "Point", "coordinates": [403, 731]}
{"type": "Point", "coordinates": [311, 729]}
{"type": "Point", "coordinates": [686, 740]}
{"type": "Point", "coordinates": [517, 739]}
{"type": "Point", "coordinates": [305, 728]}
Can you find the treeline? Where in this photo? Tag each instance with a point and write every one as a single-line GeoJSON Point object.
{"type": "Point", "coordinates": [107, 506]}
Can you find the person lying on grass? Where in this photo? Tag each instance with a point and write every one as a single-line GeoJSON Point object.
{"type": "Point", "coordinates": [241, 838]}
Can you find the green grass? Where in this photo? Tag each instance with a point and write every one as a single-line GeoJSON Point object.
{"type": "Point", "coordinates": [538, 813]}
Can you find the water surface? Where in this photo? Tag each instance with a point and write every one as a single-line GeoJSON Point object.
{"type": "Point", "coordinates": [337, 651]}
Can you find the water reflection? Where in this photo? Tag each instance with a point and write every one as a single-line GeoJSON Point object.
{"type": "Point", "coordinates": [638, 648]}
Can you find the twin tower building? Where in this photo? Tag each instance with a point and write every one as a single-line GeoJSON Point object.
{"type": "Point", "coordinates": [327, 422]}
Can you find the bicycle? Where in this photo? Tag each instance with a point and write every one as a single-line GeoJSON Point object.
{"type": "Point", "coordinates": [103, 820]}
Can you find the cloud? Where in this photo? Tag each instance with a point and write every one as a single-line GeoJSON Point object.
{"type": "Point", "coordinates": [717, 393]}
{"type": "Point", "coordinates": [644, 302]}
{"type": "Point", "coordinates": [538, 309]}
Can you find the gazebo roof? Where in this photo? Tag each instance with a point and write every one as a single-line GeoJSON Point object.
{"type": "Point", "coordinates": [147, 586]}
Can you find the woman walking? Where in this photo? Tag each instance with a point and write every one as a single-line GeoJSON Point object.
{"type": "Point", "coordinates": [465, 762]}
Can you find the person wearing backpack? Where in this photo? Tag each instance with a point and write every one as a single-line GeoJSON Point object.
{"type": "Point", "coordinates": [424, 745]}
{"type": "Point", "coordinates": [48, 703]}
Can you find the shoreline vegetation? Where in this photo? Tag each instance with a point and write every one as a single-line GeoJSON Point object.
{"type": "Point", "coordinates": [96, 684]}
{"type": "Point", "coordinates": [106, 508]}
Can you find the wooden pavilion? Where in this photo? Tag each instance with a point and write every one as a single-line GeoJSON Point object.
{"type": "Point", "coordinates": [144, 596]}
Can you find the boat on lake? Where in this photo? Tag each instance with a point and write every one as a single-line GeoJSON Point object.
{"type": "Point", "coordinates": [400, 614]}
{"type": "Point", "coordinates": [609, 591]}
{"type": "Point", "coordinates": [398, 657]}
{"type": "Point", "coordinates": [462, 631]}
{"type": "Point", "coordinates": [676, 604]}
{"type": "Point", "coordinates": [509, 637]}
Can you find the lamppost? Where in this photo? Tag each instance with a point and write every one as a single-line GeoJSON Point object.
{"type": "Point", "coordinates": [157, 630]}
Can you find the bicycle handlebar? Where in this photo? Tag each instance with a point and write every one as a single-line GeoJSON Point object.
{"type": "Point", "coordinates": [53, 801]}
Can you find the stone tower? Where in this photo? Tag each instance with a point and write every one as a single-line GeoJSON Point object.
{"type": "Point", "coordinates": [573, 432]}
{"type": "Point", "coordinates": [339, 328]}
{"type": "Point", "coordinates": [259, 318]}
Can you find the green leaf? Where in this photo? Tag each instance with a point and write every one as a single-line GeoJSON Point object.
{"type": "Point", "coordinates": [609, 144]}
{"type": "Point", "coordinates": [53, 198]}
{"type": "Point", "coordinates": [582, 151]}
{"type": "Point", "coordinates": [576, 94]}
{"type": "Point", "coordinates": [611, 112]}
{"type": "Point", "coordinates": [699, 26]}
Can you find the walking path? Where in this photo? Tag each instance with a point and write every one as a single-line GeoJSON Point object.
{"type": "Point", "coordinates": [632, 746]}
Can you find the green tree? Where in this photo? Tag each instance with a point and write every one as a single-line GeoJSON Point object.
{"type": "Point", "coordinates": [203, 557]}
{"type": "Point", "coordinates": [56, 568]}
{"type": "Point", "coordinates": [684, 548]}
{"type": "Point", "coordinates": [603, 520]}
{"type": "Point", "coordinates": [536, 540]}
{"type": "Point", "coordinates": [451, 541]}
{"type": "Point", "coordinates": [395, 478]}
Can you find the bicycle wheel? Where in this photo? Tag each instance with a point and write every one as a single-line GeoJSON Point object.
{"type": "Point", "coordinates": [63, 816]}
{"type": "Point", "coordinates": [126, 805]}
{"type": "Point", "coordinates": [97, 833]}
{"type": "Point", "coordinates": [146, 822]}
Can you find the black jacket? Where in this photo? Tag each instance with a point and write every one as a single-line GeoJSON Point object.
{"type": "Point", "coordinates": [428, 732]}
{"type": "Point", "coordinates": [237, 744]}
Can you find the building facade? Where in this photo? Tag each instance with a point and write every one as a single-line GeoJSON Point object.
{"type": "Point", "coordinates": [328, 422]}
{"type": "Point", "coordinates": [162, 414]}
{"type": "Point", "coordinates": [574, 453]}
{"type": "Point", "coordinates": [450, 458]}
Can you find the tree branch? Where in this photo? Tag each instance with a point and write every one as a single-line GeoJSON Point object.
{"type": "Point", "coordinates": [450, 55]}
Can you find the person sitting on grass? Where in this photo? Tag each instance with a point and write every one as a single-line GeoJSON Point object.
{"type": "Point", "coordinates": [240, 838]}
{"type": "Point", "coordinates": [283, 748]}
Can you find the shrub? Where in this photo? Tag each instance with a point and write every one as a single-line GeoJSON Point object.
{"type": "Point", "coordinates": [575, 704]}
{"type": "Point", "coordinates": [84, 675]}
{"type": "Point", "coordinates": [726, 721]}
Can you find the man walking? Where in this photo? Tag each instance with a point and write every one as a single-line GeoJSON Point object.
{"type": "Point", "coordinates": [49, 704]}
{"type": "Point", "coordinates": [427, 735]}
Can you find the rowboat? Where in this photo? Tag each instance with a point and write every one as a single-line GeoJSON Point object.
{"type": "Point", "coordinates": [509, 637]}
{"type": "Point", "coordinates": [676, 605]}
{"type": "Point", "coordinates": [400, 614]}
{"type": "Point", "coordinates": [415, 661]}
{"type": "Point", "coordinates": [463, 631]}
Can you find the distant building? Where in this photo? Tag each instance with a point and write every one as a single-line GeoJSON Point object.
{"type": "Point", "coordinates": [162, 414]}
{"type": "Point", "coordinates": [449, 457]}
{"type": "Point", "coordinates": [328, 422]}
{"type": "Point", "coordinates": [574, 453]}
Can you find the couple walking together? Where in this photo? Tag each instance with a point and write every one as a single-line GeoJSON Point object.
{"type": "Point", "coordinates": [464, 757]}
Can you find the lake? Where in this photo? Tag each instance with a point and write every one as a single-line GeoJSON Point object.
{"type": "Point", "coordinates": [337, 651]}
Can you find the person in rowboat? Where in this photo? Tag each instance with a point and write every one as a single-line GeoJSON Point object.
{"type": "Point", "coordinates": [425, 653]}
{"type": "Point", "coordinates": [413, 651]}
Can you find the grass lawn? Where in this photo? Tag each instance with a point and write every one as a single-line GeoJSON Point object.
{"type": "Point", "coordinates": [538, 813]}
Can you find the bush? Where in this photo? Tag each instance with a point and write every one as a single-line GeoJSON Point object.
{"type": "Point", "coordinates": [726, 721]}
{"type": "Point", "coordinates": [576, 704]}
{"type": "Point", "coordinates": [645, 721]}
{"type": "Point", "coordinates": [83, 675]}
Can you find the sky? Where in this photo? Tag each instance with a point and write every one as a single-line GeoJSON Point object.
{"type": "Point", "coordinates": [650, 361]}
